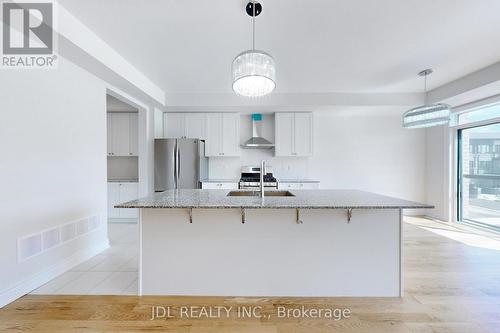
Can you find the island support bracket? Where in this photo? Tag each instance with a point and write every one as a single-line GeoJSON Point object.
{"type": "Point", "coordinates": [299, 221]}
{"type": "Point", "coordinates": [349, 215]}
{"type": "Point", "coordinates": [243, 217]}
{"type": "Point", "coordinates": [190, 215]}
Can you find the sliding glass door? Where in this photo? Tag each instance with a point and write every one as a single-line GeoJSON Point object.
{"type": "Point", "coordinates": [479, 175]}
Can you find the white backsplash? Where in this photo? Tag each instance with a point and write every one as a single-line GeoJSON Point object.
{"type": "Point", "coordinates": [283, 167]}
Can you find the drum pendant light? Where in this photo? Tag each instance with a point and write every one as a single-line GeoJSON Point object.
{"type": "Point", "coordinates": [254, 72]}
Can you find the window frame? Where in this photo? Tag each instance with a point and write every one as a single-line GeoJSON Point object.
{"type": "Point", "coordinates": [458, 169]}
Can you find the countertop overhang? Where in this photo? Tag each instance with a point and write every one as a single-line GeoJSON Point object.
{"type": "Point", "coordinates": [306, 199]}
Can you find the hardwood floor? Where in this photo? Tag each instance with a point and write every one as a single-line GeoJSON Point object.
{"type": "Point", "coordinates": [452, 284]}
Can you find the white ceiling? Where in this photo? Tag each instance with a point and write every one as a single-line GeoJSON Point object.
{"type": "Point", "coordinates": [320, 46]}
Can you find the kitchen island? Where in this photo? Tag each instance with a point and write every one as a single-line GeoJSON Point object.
{"type": "Point", "coordinates": [300, 243]}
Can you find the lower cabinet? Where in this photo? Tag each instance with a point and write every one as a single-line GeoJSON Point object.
{"type": "Point", "coordinates": [219, 186]}
{"type": "Point", "coordinates": [122, 192]}
{"type": "Point", "coordinates": [298, 186]}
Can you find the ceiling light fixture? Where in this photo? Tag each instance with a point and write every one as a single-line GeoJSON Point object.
{"type": "Point", "coordinates": [427, 115]}
{"type": "Point", "coordinates": [254, 72]}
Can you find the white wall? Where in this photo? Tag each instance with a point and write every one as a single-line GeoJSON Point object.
{"type": "Point", "coordinates": [53, 168]}
{"type": "Point", "coordinates": [438, 172]}
{"type": "Point", "coordinates": [358, 148]}
{"type": "Point", "coordinates": [368, 149]}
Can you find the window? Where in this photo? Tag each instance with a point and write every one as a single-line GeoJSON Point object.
{"type": "Point", "coordinates": [479, 175]}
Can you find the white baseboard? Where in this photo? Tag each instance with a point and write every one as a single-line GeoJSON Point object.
{"type": "Point", "coordinates": [24, 287]}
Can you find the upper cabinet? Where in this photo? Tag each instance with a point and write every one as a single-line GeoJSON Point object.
{"type": "Point", "coordinates": [184, 125]}
{"type": "Point", "coordinates": [195, 124]}
{"type": "Point", "coordinates": [122, 134]}
{"type": "Point", "coordinates": [294, 134]}
{"type": "Point", "coordinates": [173, 125]}
{"type": "Point", "coordinates": [134, 134]}
{"type": "Point", "coordinates": [221, 131]}
{"type": "Point", "coordinates": [230, 134]}
{"type": "Point", "coordinates": [223, 134]}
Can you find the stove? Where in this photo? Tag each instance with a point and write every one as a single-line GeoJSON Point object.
{"type": "Point", "coordinates": [250, 178]}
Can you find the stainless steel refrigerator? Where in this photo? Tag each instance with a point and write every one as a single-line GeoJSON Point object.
{"type": "Point", "coordinates": [179, 164]}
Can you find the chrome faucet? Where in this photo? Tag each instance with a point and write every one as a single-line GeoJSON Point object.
{"type": "Point", "coordinates": [262, 172]}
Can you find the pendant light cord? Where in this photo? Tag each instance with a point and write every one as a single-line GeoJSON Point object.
{"type": "Point", "coordinates": [425, 88]}
{"type": "Point", "coordinates": [253, 25]}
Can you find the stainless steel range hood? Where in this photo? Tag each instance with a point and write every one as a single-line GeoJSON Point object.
{"type": "Point", "coordinates": [257, 141]}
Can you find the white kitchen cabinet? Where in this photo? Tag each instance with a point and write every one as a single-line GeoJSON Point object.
{"type": "Point", "coordinates": [221, 131]}
{"type": "Point", "coordinates": [298, 186]}
{"type": "Point", "coordinates": [122, 134]}
{"type": "Point", "coordinates": [213, 145]}
{"type": "Point", "coordinates": [173, 125]}
{"type": "Point", "coordinates": [113, 199]}
{"type": "Point", "coordinates": [284, 128]}
{"type": "Point", "coordinates": [303, 133]}
{"type": "Point", "coordinates": [230, 134]}
{"type": "Point", "coordinates": [128, 192]}
{"type": "Point", "coordinates": [109, 120]}
{"type": "Point", "coordinates": [195, 124]}
{"type": "Point", "coordinates": [294, 134]}
{"type": "Point", "coordinates": [134, 134]}
{"type": "Point", "coordinates": [184, 125]}
{"type": "Point", "coordinates": [222, 134]}
{"type": "Point", "coordinates": [219, 185]}
{"type": "Point", "coordinates": [119, 193]}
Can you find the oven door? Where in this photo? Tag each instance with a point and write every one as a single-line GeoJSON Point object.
{"type": "Point", "coordinates": [256, 186]}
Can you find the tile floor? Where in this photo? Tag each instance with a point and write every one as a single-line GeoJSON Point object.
{"type": "Point", "coordinates": [112, 272]}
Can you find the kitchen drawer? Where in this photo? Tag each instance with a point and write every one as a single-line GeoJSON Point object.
{"type": "Point", "coordinates": [298, 186]}
{"type": "Point", "coordinates": [219, 186]}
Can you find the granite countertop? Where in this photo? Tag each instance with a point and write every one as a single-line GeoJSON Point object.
{"type": "Point", "coordinates": [219, 180]}
{"type": "Point", "coordinates": [280, 180]}
{"type": "Point", "coordinates": [302, 199]}
{"type": "Point", "coordinates": [123, 180]}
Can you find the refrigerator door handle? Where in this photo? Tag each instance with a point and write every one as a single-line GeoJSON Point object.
{"type": "Point", "coordinates": [178, 163]}
{"type": "Point", "coordinates": [175, 164]}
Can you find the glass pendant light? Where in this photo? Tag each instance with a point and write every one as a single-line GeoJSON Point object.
{"type": "Point", "coordinates": [254, 72]}
{"type": "Point", "coordinates": [427, 115]}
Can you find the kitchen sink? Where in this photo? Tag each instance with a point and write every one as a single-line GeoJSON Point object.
{"type": "Point", "coordinates": [257, 194]}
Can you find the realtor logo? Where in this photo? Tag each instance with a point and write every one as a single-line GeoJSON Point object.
{"type": "Point", "coordinates": [28, 35]}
